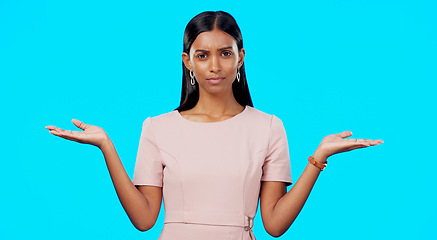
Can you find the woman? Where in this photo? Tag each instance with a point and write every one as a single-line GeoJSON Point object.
{"type": "Point", "coordinates": [213, 157]}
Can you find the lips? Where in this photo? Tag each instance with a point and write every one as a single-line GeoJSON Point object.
{"type": "Point", "coordinates": [215, 80]}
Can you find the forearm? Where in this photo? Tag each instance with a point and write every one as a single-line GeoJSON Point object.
{"type": "Point", "coordinates": [289, 206]}
{"type": "Point", "coordinates": [133, 201]}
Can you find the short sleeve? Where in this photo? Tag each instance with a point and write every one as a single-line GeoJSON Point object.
{"type": "Point", "coordinates": [276, 165]}
{"type": "Point", "coordinates": [148, 166]}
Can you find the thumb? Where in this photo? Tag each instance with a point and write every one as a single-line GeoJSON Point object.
{"type": "Point", "coordinates": [79, 124]}
{"type": "Point", "coordinates": [344, 134]}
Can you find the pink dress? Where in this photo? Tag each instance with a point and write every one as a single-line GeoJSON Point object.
{"type": "Point", "coordinates": [211, 172]}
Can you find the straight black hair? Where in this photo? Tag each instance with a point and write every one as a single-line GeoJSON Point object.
{"type": "Point", "coordinates": [205, 22]}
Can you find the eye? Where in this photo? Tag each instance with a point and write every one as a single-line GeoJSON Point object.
{"type": "Point", "coordinates": [201, 55]}
{"type": "Point", "coordinates": [227, 53]}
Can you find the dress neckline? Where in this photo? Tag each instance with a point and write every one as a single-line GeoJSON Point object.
{"type": "Point", "coordinates": [210, 123]}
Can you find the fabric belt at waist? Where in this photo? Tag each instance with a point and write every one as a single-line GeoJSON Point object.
{"type": "Point", "coordinates": [221, 219]}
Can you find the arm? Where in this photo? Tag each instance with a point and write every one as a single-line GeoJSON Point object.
{"type": "Point", "coordinates": [141, 204]}
{"type": "Point", "coordinates": [278, 208]}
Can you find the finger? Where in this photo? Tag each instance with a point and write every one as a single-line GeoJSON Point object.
{"type": "Point", "coordinates": [62, 132]}
{"type": "Point", "coordinates": [79, 124]}
{"type": "Point", "coordinates": [373, 142]}
{"type": "Point", "coordinates": [54, 129]}
{"type": "Point", "coordinates": [358, 147]}
{"type": "Point", "coordinates": [50, 127]}
{"type": "Point", "coordinates": [370, 140]}
{"type": "Point", "coordinates": [72, 138]}
{"type": "Point", "coordinates": [59, 132]}
{"type": "Point", "coordinates": [55, 133]}
{"type": "Point", "coordinates": [67, 134]}
{"type": "Point", "coordinates": [366, 142]}
{"type": "Point", "coordinates": [360, 143]}
{"type": "Point", "coordinates": [344, 134]}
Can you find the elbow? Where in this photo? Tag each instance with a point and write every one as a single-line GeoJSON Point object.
{"type": "Point", "coordinates": [144, 226]}
{"type": "Point", "coordinates": [275, 234]}
{"type": "Point", "coordinates": [276, 231]}
{"type": "Point", "coordinates": [277, 228]}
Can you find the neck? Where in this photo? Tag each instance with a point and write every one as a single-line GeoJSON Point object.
{"type": "Point", "coordinates": [217, 105]}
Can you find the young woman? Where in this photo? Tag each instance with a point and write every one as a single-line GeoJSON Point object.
{"type": "Point", "coordinates": [213, 157]}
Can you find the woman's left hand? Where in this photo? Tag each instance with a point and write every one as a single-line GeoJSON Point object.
{"type": "Point", "coordinates": [335, 143]}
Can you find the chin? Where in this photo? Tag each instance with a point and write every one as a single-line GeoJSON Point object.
{"type": "Point", "coordinates": [217, 90]}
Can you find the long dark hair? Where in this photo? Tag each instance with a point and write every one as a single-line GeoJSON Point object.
{"type": "Point", "coordinates": [205, 22]}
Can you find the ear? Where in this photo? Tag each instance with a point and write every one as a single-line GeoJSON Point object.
{"type": "Point", "coordinates": [241, 55]}
{"type": "Point", "coordinates": [186, 60]}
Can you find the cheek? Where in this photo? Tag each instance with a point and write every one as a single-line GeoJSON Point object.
{"type": "Point", "coordinates": [199, 67]}
{"type": "Point", "coordinates": [231, 65]}
{"type": "Point", "coordinates": [235, 62]}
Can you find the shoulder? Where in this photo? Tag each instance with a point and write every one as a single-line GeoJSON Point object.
{"type": "Point", "coordinates": [253, 112]}
{"type": "Point", "coordinates": [165, 116]}
{"type": "Point", "coordinates": [269, 124]}
{"type": "Point", "coordinates": [163, 119]}
{"type": "Point", "coordinates": [260, 116]}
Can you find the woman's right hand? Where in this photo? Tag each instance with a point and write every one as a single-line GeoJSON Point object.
{"type": "Point", "coordinates": [90, 135]}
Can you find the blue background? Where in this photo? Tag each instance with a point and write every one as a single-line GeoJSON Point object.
{"type": "Point", "coordinates": [321, 66]}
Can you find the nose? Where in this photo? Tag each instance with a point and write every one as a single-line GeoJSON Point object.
{"type": "Point", "coordinates": [214, 64]}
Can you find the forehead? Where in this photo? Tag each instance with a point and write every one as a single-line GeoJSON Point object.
{"type": "Point", "coordinates": [213, 40]}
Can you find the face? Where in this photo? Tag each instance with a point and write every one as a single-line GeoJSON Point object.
{"type": "Point", "coordinates": [214, 60]}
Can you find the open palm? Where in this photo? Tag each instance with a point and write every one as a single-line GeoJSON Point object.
{"type": "Point", "coordinates": [90, 135]}
{"type": "Point", "coordinates": [336, 143]}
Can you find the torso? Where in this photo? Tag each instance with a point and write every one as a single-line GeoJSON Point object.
{"type": "Point", "coordinates": [211, 172]}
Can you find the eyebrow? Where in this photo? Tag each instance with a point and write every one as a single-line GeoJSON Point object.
{"type": "Point", "coordinates": [220, 49]}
